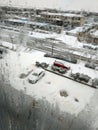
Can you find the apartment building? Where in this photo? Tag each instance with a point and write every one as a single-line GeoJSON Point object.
{"type": "Point", "coordinates": [89, 35]}
{"type": "Point", "coordinates": [62, 19]}
{"type": "Point", "coordinates": [17, 22]}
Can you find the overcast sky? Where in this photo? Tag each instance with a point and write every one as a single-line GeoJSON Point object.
{"type": "Point", "coordinates": [89, 5]}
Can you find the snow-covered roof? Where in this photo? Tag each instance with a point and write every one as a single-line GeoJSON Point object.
{"type": "Point", "coordinates": [25, 21]}
{"type": "Point", "coordinates": [95, 34]}
{"type": "Point", "coordinates": [8, 45]}
{"type": "Point", "coordinates": [41, 35]}
{"type": "Point", "coordinates": [62, 14]}
{"type": "Point", "coordinates": [76, 30]}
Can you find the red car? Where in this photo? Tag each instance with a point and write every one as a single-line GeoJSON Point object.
{"type": "Point", "coordinates": [59, 64]}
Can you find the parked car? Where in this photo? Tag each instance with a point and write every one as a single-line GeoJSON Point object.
{"type": "Point", "coordinates": [61, 65]}
{"type": "Point", "coordinates": [90, 65]}
{"type": "Point", "coordinates": [59, 69]}
{"type": "Point", "coordinates": [71, 59]}
{"type": "Point", "coordinates": [84, 77]}
{"type": "Point", "coordinates": [75, 76]}
{"type": "Point", "coordinates": [42, 65]}
{"type": "Point", "coordinates": [3, 51]}
{"type": "Point", "coordinates": [81, 77]}
{"type": "Point", "coordinates": [95, 82]}
{"type": "Point", "coordinates": [36, 75]}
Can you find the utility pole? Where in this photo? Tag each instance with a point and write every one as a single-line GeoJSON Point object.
{"type": "Point", "coordinates": [52, 49]}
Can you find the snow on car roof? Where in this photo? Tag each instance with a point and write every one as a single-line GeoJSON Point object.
{"type": "Point", "coordinates": [38, 70]}
{"type": "Point", "coordinates": [35, 73]}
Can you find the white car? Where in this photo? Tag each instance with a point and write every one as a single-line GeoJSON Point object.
{"type": "Point", "coordinates": [36, 75]}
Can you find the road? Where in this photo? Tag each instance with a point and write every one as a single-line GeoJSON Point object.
{"type": "Point", "coordinates": [47, 45]}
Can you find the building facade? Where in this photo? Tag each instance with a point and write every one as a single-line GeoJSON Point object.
{"type": "Point", "coordinates": [62, 19]}
{"type": "Point", "coordinates": [90, 35]}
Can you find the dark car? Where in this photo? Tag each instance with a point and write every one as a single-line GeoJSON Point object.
{"type": "Point", "coordinates": [81, 77]}
{"type": "Point", "coordinates": [90, 65]}
{"type": "Point", "coordinates": [95, 82]}
{"type": "Point", "coordinates": [71, 59]}
{"type": "Point", "coordinates": [2, 52]}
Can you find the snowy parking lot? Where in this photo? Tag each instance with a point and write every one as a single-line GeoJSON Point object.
{"type": "Point", "coordinates": [50, 86]}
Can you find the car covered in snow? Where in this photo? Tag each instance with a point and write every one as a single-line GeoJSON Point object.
{"type": "Point", "coordinates": [80, 77]}
{"type": "Point", "coordinates": [90, 65]}
{"type": "Point", "coordinates": [36, 76]}
{"type": "Point", "coordinates": [42, 65]}
{"type": "Point", "coordinates": [84, 77]}
{"type": "Point", "coordinates": [95, 82]}
{"type": "Point", "coordinates": [60, 67]}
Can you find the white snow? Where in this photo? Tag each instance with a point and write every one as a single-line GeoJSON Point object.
{"type": "Point", "coordinates": [95, 34]}
{"type": "Point", "coordinates": [8, 45]}
{"type": "Point", "coordinates": [62, 14]}
{"type": "Point", "coordinates": [69, 40]}
{"type": "Point", "coordinates": [41, 35]}
{"type": "Point", "coordinates": [77, 30]}
{"type": "Point", "coordinates": [26, 21]}
{"type": "Point", "coordinates": [49, 87]}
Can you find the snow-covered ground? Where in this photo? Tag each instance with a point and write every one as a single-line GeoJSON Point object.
{"type": "Point", "coordinates": [63, 38]}
{"type": "Point", "coordinates": [44, 35]}
{"type": "Point", "coordinates": [41, 35]}
{"type": "Point", "coordinates": [69, 40]}
{"type": "Point", "coordinates": [49, 87]}
{"type": "Point", "coordinates": [8, 45]}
